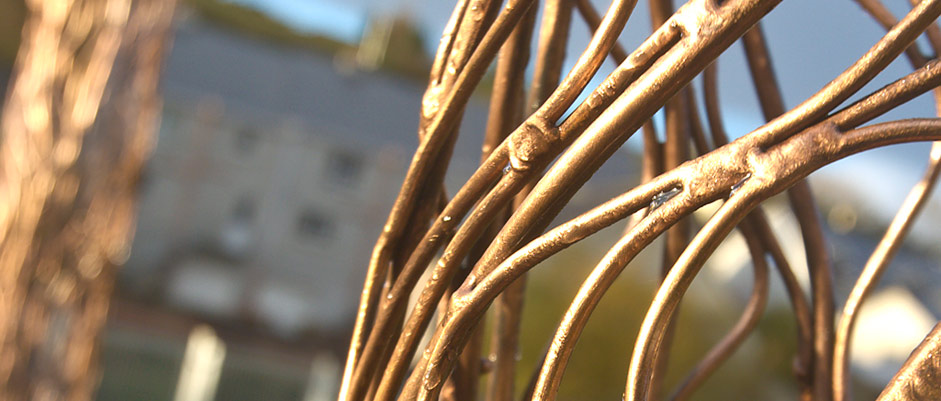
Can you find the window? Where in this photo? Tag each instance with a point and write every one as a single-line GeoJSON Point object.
{"type": "Point", "coordinates": [236, 237]}
{"type": "Point", "coordinates": [315, 225]}
{"type": "Point", "coordinates": [344, 168]}
{"type": "Point", "coordinates": [244, 210]}
{"type": "Point", "coordinates": [246, 140]}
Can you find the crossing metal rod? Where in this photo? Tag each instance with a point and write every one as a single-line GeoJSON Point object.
{"type": "Point", "coordinates": [547, 155]}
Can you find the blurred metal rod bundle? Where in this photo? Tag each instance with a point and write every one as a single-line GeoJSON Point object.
{"type": "Point", "coordinates": [79, 122]}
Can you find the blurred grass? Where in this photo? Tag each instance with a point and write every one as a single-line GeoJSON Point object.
{"type": "Point", "coordinates": [244, 379]}
{"type": "Point", "coordinates": [136, 372]}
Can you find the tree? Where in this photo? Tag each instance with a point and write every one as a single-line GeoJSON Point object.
{"type": "Point", "coordinates": [78, 124]}
{"type": "Point", "coordinates": [496, 227]}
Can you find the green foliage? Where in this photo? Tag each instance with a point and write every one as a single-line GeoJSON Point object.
{"type": "Point", "coordinates": [760, 369]}
{"type": "Point", "coordinates": [241, 18]}
{"type": "Point", "coordinates": [134, 372]}
{"type": "Point", "coordinates": [256, 23]}
{"type": "Point", "coordinates": [404, 56]}
{"type": "Point", "coordinates": [406, 51]}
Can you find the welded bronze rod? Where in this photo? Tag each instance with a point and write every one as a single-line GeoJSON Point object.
{"type": "Point", "coordinates": [802, 315]}
{"type": "Point", "coordinates": [507, 106]}
{"type": "Point", "coordinates": [744, 326]}
{"type": "Point", "coordinates": [920, 376]}
{"type": "Point", "coordinates": [442, 117]}
{"type": "Point", "coordinates": [802, 205]}
{"type": "Point", "coordinates": [535, 158]}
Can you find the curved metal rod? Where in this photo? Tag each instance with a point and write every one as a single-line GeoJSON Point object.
{"type": "Point", "coordinates": [745, 325]}
{"type": "Point", "coordinates": [442, 272]}
{"type": "Point", "coordinates": [805, 212]}
{"type": "Point", "coordinates": [696, 129]}
{"type": "Point", "coordinates": [885, 18]}
{"type": "Point", "coordinates": [551, 47]}
{"type": "Point", "coordinates": [674, 285]}
{"type": "Point", "coordinates": [918, 377]}
{"type": "Point", "coordinates": [803, 318]}
{"type": "Point", "coordinates": [894, 235]}
{"type": "Point", "coordinates": [589, 62]}
{"type": "Point", "coordinates": [802, 314]}
{"type": "Point", "coordinates": [520, 149]}
{"type": "Point", "coordinates": [772, 171]}
{"type": "Point", "coordinates": [470, 301]}
{"type": "Point", "coordinates": [877, 263]}
{"type": "Point", "coordinates": [507, 106]}
{"type": "Point", "coordinates": [601, 278]}
{"type": "Point", "coordinates": [593, 20]}
{"type": "Point", "coordinates": [814, 108]}
{"type": "Point", "coordinates": [864, 108]}
{"type": "Point", "coordinates": [754, 240]}
{"type": "Point", "coordinates": [432, 140]}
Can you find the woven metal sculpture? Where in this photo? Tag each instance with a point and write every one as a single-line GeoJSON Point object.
{"type": "Point", "coordinates": [536, 156]}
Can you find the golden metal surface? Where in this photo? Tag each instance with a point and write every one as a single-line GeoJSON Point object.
{"type": "Point", "coordinates": [535, 157]}
{"type": "Point", "coordinates": [920, 376]}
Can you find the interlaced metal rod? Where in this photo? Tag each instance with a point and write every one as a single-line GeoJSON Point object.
{"type": "Point", "coordinates": [540, 157]}
{"type": "Point", "coordinates": [898, 228]}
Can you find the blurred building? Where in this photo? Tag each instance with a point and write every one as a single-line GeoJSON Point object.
{"type": "Point", "coordinates": [272, 176]}
{"type": "Point", "coordinates": [273, 173]}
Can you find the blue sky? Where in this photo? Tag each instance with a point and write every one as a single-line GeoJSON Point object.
{"type": "Point", "coordinates": [345, 19]}
{"type": "Point", "coordinates": [342, 20]}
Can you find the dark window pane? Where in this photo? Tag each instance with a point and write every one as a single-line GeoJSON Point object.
{"type": "Point", "coordinates": [313, 224]}
{"type": "Point", "coordinates": [344, 168]}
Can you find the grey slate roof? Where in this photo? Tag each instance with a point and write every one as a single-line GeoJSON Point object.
{"type": "Point", "coordinates": [271, 80]}
{"type": "Point", "coordinates": [370, 109]}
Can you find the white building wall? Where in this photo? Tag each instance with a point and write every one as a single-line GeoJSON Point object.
{"type": "Point", "coordinates": [277, 209]}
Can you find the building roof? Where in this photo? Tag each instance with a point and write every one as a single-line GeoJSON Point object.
{"type": "Point", "coordinates": [274, 81]}
{"type": "Point", "coordinates": [363, 109]}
